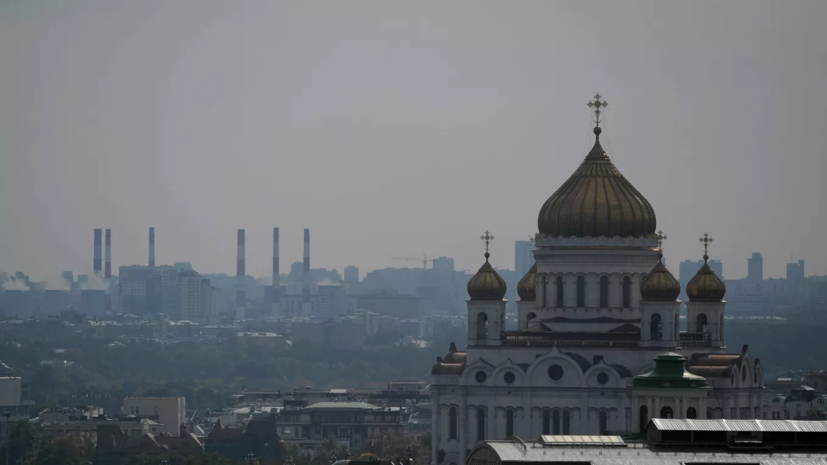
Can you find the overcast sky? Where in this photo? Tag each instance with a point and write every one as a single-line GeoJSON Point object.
{"type": "Point", "coordinates": [393, 129]}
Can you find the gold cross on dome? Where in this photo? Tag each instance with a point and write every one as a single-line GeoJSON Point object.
{"type": "Point", "coordinates": [597, 104]}
{"type": "Point", "coordinates": [487, 238]}
{"type": "Point", "coordinates": [705, 240]}
{"type": "Point", "coordinates": [661, 237]}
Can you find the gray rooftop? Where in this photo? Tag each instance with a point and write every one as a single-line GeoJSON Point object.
{"type": "Point", "coordinates": [774, 426]}
{"type": "Point", "coordinates": [515, 452]}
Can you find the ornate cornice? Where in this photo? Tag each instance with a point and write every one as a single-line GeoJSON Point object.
{"type": "Point", "coordinates": [602, 241]}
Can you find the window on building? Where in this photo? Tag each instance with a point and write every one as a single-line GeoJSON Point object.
{"type": "Point", "coordinates": [666, 412]}
{"type": "Point", "coordinates": [546, 422]}
{"type": "Point", "coordinates": [655, 328]}
{"type": "Point", "coordinates": [480, 424]}
{"type": "Point", "coordinates": [581, 291]}
{"type": "Point", "coordinates": [509, 423]}
{"type": "Point", "coordinates": [555, 422]}
{"type": "Point", "coordinates": [566, 422]}
{"type": "Point", "coordinates": [530, 316]}
{"type": "Point", "coordinates": [644, 418]}
{"type": "Point", "coordinates": [452, 423]}
{"type": "Point", "coordinates": [627, 292]}
{"type": "Point", "coordinates": [700, 323]}
{"type": "Point", "coordinates": [604, 423]}
{"type": "Point", "coordinates": [691, 413]}
{"type": "Point", "coordinates": [604, 291]}
{"type": "Point", "coordinates": [559, 291]}
{"type": "Point", "coordinates": [482, 326]}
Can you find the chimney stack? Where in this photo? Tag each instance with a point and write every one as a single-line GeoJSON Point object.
{"type": "Point", "coordinates": [240, 296]}
{"type": "Point", "coordinates": [275, 293]}
{"type": "Point", "coordinates": [306, 275]}
{"type": "Point", "coordinates": [96, 262]}
{"type": "Point", "coordinates": [107, 270]}
{"type": "Point", "coordinates": [151, 246]}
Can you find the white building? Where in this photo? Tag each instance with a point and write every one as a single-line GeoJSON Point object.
{"type": "Point", "coordinates": [594, 312]}
{"type": "Point", "coordinates": [170, 411]}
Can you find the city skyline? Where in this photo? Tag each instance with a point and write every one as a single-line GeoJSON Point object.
{"type": "Point", "coordinates": [158, 116]}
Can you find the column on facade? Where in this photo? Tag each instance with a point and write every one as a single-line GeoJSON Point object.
{"type": "Point", "coordinates": [569, 290]}
{"type": "Point", "coordinates": [541, 289]}
{"type": "Point", "coordinates": [551, 288]}
{"type": "Point", "coordinates": [634, 299]}
{"type": "Point", "coordinates": [635, 413]}
{"type": "Point", "coordinates": [655, 412]}
{"type": "Point", "coordinates": [491, 424]}
{"type": "Point", "coordinates": [592, 291]}
{"type": "Point", "coordinates": [463, 426]}
{"type": "Point", "coordinates": [681, 410]}
{"type": "Point", "coordinates": [435, 422]}
{"type": "Point", "coordinates": [702, 406]}
{"type": "Point", "coordinates": [615, 291]}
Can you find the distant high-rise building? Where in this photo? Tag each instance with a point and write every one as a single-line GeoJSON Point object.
{"type": "Point", "coordinates": [351, 274]}
{"type": "Point", "coordinates": [443, 265]}
{"type": "Point", "coordinates": [755, 267]}
{"type": "Point", "coordinates": [795, 271]}
{"type": "Point", "coordinates": [688, 268]}
{"type": "Point", "coordinates": [194, 297]}
{"type": "Point", "coordinates": [523, 256]}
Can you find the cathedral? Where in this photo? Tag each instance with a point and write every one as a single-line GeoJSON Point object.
{"type": "Point", "coordinates": [598, 348]}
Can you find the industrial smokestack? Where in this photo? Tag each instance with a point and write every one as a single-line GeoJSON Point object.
{"type": "Point", "coordinates": [306, 275]}
{"type": "Point", "coordinates": [240, 297]}
{"type": "Point", "coordinates": [96, 261]}
{"type": "Point", "coordinates": [107, 270]}
{"type": "Point", "coordinates": [151, 246]}
{"type": "Point", "coordinates": [239, 270]}
{"type": "Point", "coordinates": [275, 291]}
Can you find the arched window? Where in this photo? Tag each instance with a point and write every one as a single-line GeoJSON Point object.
{"type": "Point", "coordinates": [700, 323]}
{"type": "Point", "coordinates": [480, 424]}
{"type": "Point", "coordinates": [627, 292]}
{"type": "Point", "coordinates": [604, 423]}
{"type": "Point", "coordinates": [556, 422]}
{"type": "Point", "coordinates": [509, 423]}
{"type": "Point", "coordinates": [776, 415]}
{"type": "Point", "coordinates": [644, 418]}
{"type": "Point", "coordinates": [452, 423]}
{"type": "Point", "coordinates": [666, 412]}
{"type": "Point", "coordinates": [566, 422]}
{"type": "Point", "coordinates": [581, 291]}
{"type": "Point", "coordinates": [530, 316]}
{"type": "Point", "coordinates": [559, 291]}
{"type": "Point", "coordinates": [655, 328]}
{"type": "Point", "coordinates": [691, 413]}
{"type": "Point", "coordinates": [604, 291]}
{"type": "Point", "coordinates": [482, 326]}
{"type": "Point", "coordinates": [546, 422]}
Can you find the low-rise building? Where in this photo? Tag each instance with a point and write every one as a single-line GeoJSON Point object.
{"type": "Point", "coordinates": [170, 411]}
{"type": "Point", "coordinates": [351, 423]}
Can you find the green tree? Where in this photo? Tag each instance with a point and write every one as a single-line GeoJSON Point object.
{"type": "Point", "coordinates": [62, 450]}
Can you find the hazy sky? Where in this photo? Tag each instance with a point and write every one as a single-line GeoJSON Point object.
{"type": "Point", "coordinates": [397, 128]}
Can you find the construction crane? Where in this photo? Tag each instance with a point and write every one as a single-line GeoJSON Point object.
{"type": "Point", "coordinates": [424, 260]}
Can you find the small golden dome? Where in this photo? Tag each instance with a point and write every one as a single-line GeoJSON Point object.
{"type": "Point", "coordinates": [487, 284]}
{"type": "Point", "coordinates": [597, 201]}
{"type": "Point", "coordinates": [660, 284]}
{"type": "Point", "coordinates": [705, 286]}
{"type": "Point", "coordinates": [526, 287]}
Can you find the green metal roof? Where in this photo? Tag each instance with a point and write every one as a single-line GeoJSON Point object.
{"type": "Point", "coordinates": [670, 372]}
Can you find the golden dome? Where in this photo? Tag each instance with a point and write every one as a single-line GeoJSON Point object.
{"type": "Point", "coordinates": [597, 201]}
{"type": "Point", "coordinates": [487, 284]}
{"type": "Point", "coordinates": [526, 287]}
{"type": "Point", "coordinates": [660, 284]}
{"type": "Point", "coordinates": [705, 286]}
